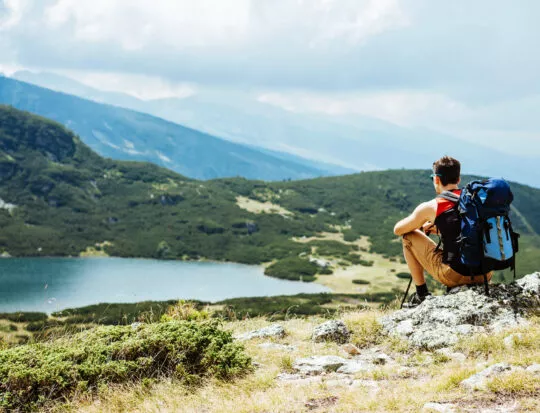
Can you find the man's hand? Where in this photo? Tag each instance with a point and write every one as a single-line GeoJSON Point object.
{"type": "Point", "coordinates": [429, 228]}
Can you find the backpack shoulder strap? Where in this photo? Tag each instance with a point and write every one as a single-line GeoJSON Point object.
{"type": "Point", "coordinates": [449, 196]}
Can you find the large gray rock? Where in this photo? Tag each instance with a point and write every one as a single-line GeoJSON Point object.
{"type": "Point", "coordinates": [275, 330]}
{"type": "Point", "coordinates": [333, 330]}
{"type": "Point", "coordinates": [316, 365]}
{"type": "Point", "coordinates": [440, 321]}
{"type": "Point", "coordinates": [356, 366]}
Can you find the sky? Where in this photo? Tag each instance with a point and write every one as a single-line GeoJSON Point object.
{"type": "Point", "coordinates": [461, 67]}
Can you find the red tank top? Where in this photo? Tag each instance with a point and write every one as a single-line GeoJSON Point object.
{"type": "Point", "coordinates": [444, 205]}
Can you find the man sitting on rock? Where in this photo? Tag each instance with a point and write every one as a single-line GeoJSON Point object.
{"type": "Point", "coordinates": [436, 216]}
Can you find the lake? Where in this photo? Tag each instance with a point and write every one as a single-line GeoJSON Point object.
{"type": "Point", "coordinates": [51, 284]}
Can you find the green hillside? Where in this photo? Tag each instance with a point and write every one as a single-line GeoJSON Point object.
{"type": "Point", "coordinates": [60, 198]}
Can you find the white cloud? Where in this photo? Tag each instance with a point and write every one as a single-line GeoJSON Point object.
{"type": "Point", "coordinates": [354, 20]}
{"type": "Point", "coordinates": [509, 126]}
{"type": "Point", "coordinates": [405, 108]}
{"type": "Point", "coordinates": [135, 24]}
{"type": "Point", "coordinates": [141, 86]}
{"type": "Point", "coordinates": [12, 13]}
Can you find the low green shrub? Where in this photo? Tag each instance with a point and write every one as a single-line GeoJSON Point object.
{"type": "Point", "coordinates": [361, 282]}
{"type": "Point", "coordinates": [332, 248]}
{"type": "Point", "coordinates": [293, 268]}
{"type": "Point", "coordinates": [42, 325]}
{"type": "Point", "coordinates": [117, 314]}
{"type": "Point", "coordinates": [34, 374]}
{"type": "Point", "coordinates": [403, 275]}
{"type": "Point", "coordinates": [325, 271]}
{"type": "Point", "coordinates": [22, 317]}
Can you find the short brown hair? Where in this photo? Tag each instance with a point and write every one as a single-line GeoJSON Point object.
{"type": "Point", "coordinates": [448, 169]}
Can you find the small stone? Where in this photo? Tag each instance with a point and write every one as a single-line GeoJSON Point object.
{"type": "Point", "coordinates": [530, 283]}
{"type": "Point", "coordinates": [333, 330]}
{"type": "Point", "coordinates": [339, 382]}
{"type": "Point", "coordinates": [351, 349]}
{"type": "Point", "coordinates": [405, 328]}
{"type": "Point", "coordinates": [455, 356]}
{"type": "Point", "coordinates": [372, 385]}
{"type": "Point", "coordinates": [510, 340]}
{"type": "Point", "coordinates": [316, 365]}
{"type": "Point", "coordinates": [355, 366]}
{"type": "Point", "coordinates": [136, 325]}
{"type": "Point", "coordinates": [276, 346]}
{"type": "Point", "coordinates": [297, 379]}
{"type": "Point", "coordinates": [275, 330]}
{"type": "Point", "coordinates": [381, 358]}
{"type": "Point", "coordinates": [478, 381]}
{"type": "Point", "coordinates": [534, 369]}
{"type": "Point", "coordinates": [439, 407]}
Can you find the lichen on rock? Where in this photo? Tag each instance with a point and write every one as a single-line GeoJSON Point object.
{"type": "Point", "coordinates": [440, 321]}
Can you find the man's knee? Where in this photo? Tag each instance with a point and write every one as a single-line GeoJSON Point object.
{"type": "Point", "coordinates": [409, 238]}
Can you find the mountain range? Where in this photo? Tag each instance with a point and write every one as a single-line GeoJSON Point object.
{"type": "Point", "coordinates": [354, 142]}
{"type": "Point", "coordinates": [125, 134]}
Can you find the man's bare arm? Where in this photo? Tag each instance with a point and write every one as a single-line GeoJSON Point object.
{"type": "Point", "coordinates": [423, 213]}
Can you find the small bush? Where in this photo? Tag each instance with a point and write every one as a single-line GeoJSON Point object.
{"type": "Point", "coordinates": [403, 275]}
{"type": "Point", "coordinates": [361, 282]}
{"type": "Point", "coordinates": [22, 317]}
{"type": "Point", "coordinates": [33, 374]}
{"type": "Point", "coordinates": [325, 271]}
{"type": "Point", "coordinates": [185, 311]}
{"type": "Point", "coordinates": [518, 383]}
{"type": "Point", "coordinates": [367, 331]}
{"type": "Point", "coordinates": [293, 268]}
{"type": "Point", "coordinates": [117, 314]}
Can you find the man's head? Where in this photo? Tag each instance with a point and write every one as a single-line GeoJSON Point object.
{"type": "Point", "coordinates": [446, 172]}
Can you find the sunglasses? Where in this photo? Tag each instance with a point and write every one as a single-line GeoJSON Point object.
{"type": "Point", "coordinates": [434, 175]}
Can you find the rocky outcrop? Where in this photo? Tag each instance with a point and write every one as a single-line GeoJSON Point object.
{"type": "Point", "coordinates": [440, 320]}
{"type": "Point", "coordinates": [273, 331]}
{"type": "Point", "coordinates": [333, 330]}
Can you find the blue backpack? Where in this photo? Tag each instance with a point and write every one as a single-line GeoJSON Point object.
{"type": "Point", "coordinates": [487, 240]}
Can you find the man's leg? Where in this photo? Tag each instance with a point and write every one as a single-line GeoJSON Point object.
{"type": "Point", "coordinates": [419, 251]}
{"type": "Point", "coordinates": [415, 268]}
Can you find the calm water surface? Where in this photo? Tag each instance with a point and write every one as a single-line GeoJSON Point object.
{"type": "Point", "coordinates": [51, 284]}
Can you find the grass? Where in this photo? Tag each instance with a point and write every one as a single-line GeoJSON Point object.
{"type": "Point", "coordinates": [517, 383]}
{"type": "Point", "coordinates": [388, 388]}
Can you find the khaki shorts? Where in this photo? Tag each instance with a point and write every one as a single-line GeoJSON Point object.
{"type": "Point", "coordinates": [425, 251]}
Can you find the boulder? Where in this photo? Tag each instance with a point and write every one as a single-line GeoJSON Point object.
{"type": "Point", "coordinates": [316, 365]}
{"type": "Point", "coordinates": [440, 320]}
{"type": "Point", "coordinates": [333, 330]}
{"type": "Point", "coordinates": [355, 366]}
{"type": "Point", "coordinates": [275, 330]}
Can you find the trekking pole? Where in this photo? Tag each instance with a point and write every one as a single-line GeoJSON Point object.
{"type": "Point", "coordinates": [406, 293]}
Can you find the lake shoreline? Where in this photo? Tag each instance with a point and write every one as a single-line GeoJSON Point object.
{"type": "Point", "coordinates": [51, 284]}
